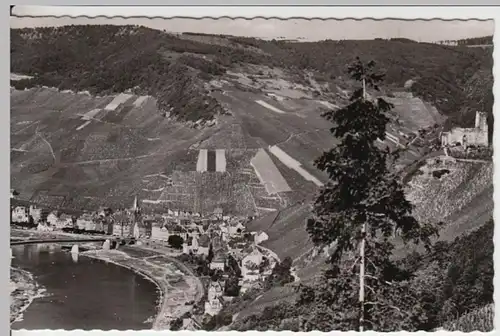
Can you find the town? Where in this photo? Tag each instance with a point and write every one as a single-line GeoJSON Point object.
{"type": "Point", "coordinates": [227, 258]}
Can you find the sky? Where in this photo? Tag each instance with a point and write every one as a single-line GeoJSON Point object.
{"type": "Point", "coordinates": [311, 30]}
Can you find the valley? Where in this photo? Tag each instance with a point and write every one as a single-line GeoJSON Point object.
{"type": "Point", "coordinates": [188, 124]}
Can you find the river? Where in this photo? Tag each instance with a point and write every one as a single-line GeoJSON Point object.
{"type": "Point", "coordinates": [83, 293]}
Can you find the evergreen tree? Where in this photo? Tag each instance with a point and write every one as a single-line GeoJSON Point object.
{"type": "Point", "coordinates": [357, 213]}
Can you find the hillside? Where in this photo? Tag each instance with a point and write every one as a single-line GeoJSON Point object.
{"type": "Point", "coordinates": [101, 114]}
{"type": "Point", "coordinates": [126, 110]}
{"type": "Point", "coordinates": [454, 283]}
{"type": "Point", "coordinates": [107, 59]}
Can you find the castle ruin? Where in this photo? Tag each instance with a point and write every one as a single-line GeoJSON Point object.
{"type": "Point", "coordinates": [477, 136]}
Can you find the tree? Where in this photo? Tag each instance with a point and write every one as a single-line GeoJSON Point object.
{"type": "Point", "coordinates": [176, 324]}
{"type": "Point", "coordinates": [175, 241]}
{"type": "Point", "coordinates": [233, 267]}
{"type": "Point", "coordinates": [280, 275]}
{"type": "Point", "coordinates": [210, 255]}
{"type": "Point", "coordinates": [216, 275]}
{"type": "Point", "coordinates": [357, 213]}
{"type": "Point", "coordinates": [231, 287]}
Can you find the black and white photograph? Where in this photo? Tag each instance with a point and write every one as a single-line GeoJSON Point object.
{"type": "Point", "coordinates": [251, 174]}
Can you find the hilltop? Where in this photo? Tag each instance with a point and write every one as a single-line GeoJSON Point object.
{"type": "Point", "coordinates": [107, 59]}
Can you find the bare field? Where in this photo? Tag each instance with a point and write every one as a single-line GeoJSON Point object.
{"type": "Point", "coordinates": [268, 174]}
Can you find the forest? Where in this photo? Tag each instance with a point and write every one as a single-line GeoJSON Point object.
{"type": "Point", "coordinates": [110, 59]}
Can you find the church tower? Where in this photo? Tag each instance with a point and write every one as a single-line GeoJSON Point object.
{"type": "Point", "coordinates": [481, 121]}
{"type": "Point", "coordinates": [136, 222]}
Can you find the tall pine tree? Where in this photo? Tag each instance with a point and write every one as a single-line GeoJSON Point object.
{"type": "Point", "coordinates": [356, 214]}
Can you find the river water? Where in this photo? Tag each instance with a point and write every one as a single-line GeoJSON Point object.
{"type": "Point", "coordinates": [83, 293]}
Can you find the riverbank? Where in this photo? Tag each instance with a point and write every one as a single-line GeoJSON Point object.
{"type": "Point", "coordinates": [179, 287]}
{"type": "Point", "coordinates": [23, 290]}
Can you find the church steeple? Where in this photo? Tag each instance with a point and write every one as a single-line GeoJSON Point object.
{"type": "Point", "coordinates": [135, 205]}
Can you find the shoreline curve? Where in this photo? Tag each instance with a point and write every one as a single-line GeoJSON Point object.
{"type": "Point", "coordinates": [167, 308]}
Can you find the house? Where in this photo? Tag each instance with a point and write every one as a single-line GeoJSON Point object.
{"type": "Point", "coordinates": [63, 221]}
{"type": "Point", "coordinates": [20, 215]}
{"type": "Point", "coordinates": [203, 245]}
{"type": "Point", "coordinates": [215, 290]}
{"type": "Point", "coordinates": [224, 233]}
{"type": "Point", "coordinates": [218, 213]}
{"type": "Point", "coordinates": [245, 285]}
{"type": "Point", "coordinates": [477, 136]}
{"type": "Point", "coordinates": [44, 227]}
{"type": "Point", "coordinates": [236, 229]}
{"type": "Point", "coordinates": [217, 243]}
{"type": "Point", "coordinates": [187, 245]}
{"type": "Point", "coordinates": [119, 229]}
{"type": "Point", "coordinates": [159, 232]}
{"type": "Point", "coordinates": [104, 212]}
{"type": "Point", "coordinates": [99, 224]}
{"type": "Point", "coordinates": [52, 218]}
{"type": "Point", "coordinates": [218, 262]}
{"type": "Point", "coordinates": [36, 213]}
{"type": "Point", "coordinates": [190, 245]}
{"type": "Point", "coordinates": [260, 237]}
{"type": "Point", "coordinates": [214, 303]}
{"type": "Point", "coordinates": [85, 222]}
{"type": "Point", "coordinates": [250, 265]}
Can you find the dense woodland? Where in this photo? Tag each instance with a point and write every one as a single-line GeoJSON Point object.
{"type": "Point", "coordinates": [474, 41]}
{"type": "Point", "coordinates": [106, 59]}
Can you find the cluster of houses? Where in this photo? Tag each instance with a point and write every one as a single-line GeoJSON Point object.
{"type": "Point", "coordinates": [224, 235]}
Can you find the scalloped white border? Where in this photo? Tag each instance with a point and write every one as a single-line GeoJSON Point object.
{"type": "Point", "coordinates": [281, 12]}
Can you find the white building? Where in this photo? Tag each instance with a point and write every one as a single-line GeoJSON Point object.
{"type": "Point", "coordinates": [250, 265]}
{"type": "Point", "coordinates": [214, 302]}
{"type": "Point", "coordinates": [64, 221]}
{"type": "Point", "coordinates": [52, 218]}
{"type": "Point", "coordinates": [236, 229]}
{"type": "Point", "coordinates": [260, 237]}
{"type": "Point", "coordinates": [218, 263]}
{"type": "Point", "coordinates": [20, 215]}
{"type": "Point", "coordinates": [224, 233]}
{"type": "Point", "coordinates": [44, 227]}
{"type": "Point", "coordinates": [219, 213]}
{"type": "Point", "coordinates": [85, 222]}
{"type": "Point", "coordinates": [159, 233]}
